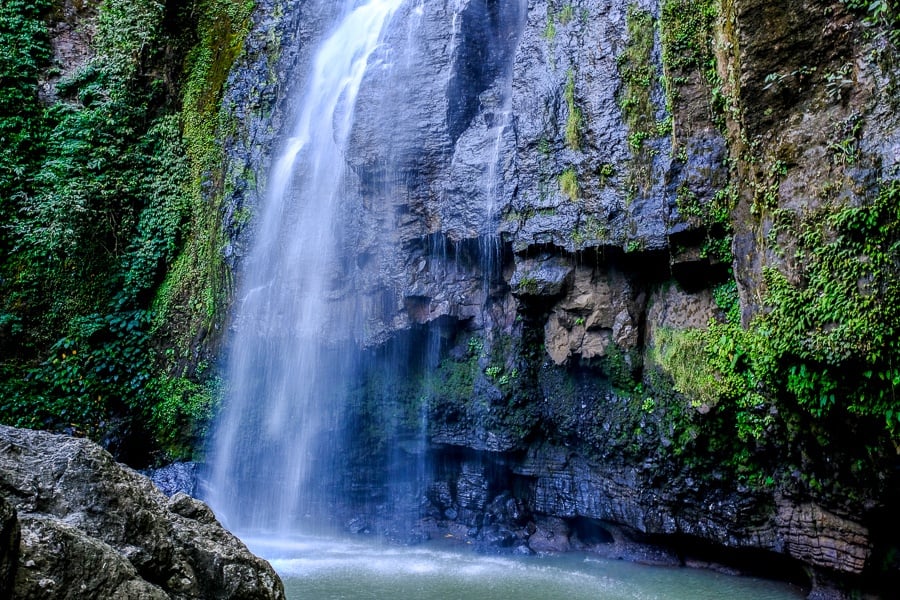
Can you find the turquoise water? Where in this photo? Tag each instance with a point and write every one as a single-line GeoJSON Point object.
{"type": "Point", "coordinates": [328, 569]}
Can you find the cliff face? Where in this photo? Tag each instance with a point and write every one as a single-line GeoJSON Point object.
{"type": "Point", "coordinates": [568, 194]}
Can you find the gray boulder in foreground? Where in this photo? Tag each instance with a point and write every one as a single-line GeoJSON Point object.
{"type": "Point", "coordinates": [89, 527]}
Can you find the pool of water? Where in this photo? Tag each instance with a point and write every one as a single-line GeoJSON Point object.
{"type": "Point", "coordinates": [331, 569]}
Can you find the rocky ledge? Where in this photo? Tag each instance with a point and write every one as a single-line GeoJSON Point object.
{"type": "Point", "coordinates": [76, 524]}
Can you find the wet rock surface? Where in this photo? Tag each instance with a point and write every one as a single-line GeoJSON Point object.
{"type": "Point", "coordinates": [92, 528]}
{"type": "Point", "coordinates": [178, 477]}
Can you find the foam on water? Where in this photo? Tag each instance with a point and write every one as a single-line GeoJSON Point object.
{"type": "Point", "coordinates": [325, 568]}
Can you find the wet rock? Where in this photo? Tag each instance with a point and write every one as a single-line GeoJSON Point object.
{"type": "Point", "coordinates": [498, 536]}
{"type": "Point", "coordinates": [472, 487]}
{"type": "Point", "coordinates": [179, 477]}
{"type": "Point", "coordinates": [94, 528]}
{"type": "Point", "coordinates": [596, 312]}
{"type": "Point", "coordinates": [551, 534]}
{"type": "Point", "coordinates": [817, 537]}
{"type": "Point", "coordinates": [572, 486]}
{"type": "Point", "coordinates": [547, 275]}
{"type": "Point", "coordinates": [357, 525]}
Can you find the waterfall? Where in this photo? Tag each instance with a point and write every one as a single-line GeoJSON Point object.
{"type": "Point", "coordinates": [331, 336]}
{"type": "Point", "coordinates": [285, 371]}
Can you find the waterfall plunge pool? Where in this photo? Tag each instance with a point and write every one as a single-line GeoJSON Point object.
{"type": "Point", "coordinates": [317, 568]}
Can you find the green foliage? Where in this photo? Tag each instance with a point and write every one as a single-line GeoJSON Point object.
{"type": "Point", "coordinates": [606, 172]}
{"type": "Point", "coordinates": [100, 202]}
{"type": "Point", "coordinates": [682, 354]}
{"type": "Point", "coordinates": [723, 367]}
{"type": "Point", "coordinates": [575, 118]}
{"type": "Point", "coordinates": [828, 339]}
{"type": "Point", "coordinates": [182, 413]}
{"type": "Point", "coordinates": [199, 274]}
{"type": "Point", "coordinates": [102, 194]}
{"type": "Point", "coordinates": [687, 39]}
{"type": "Point", "coordinates": [563, 16]}
{"type": "Point", "coordinates": [98, 370]}
{"type": "Point", "coordinates": [550, 29]}
{"type": "Point", "coordinates": [686, 35]}
{"type": "Point", "coordinates": [714, 216]}
{"type": "Point", "coordinates": [528, 285]}
{"type": "Point", "coordinates": [843, 318]}
{"type": "Point", "coordinates": [24, 54]}
{"type": "Point", "coordinates": [568, 183]}
{"type": "Point", "coordinates": [885, 13]}
{"type": "Point", "coordinates": [726, 298]}
{"type": "Point", "coordinates": [639, 74]}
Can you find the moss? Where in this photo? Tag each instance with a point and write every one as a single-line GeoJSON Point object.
{"type": "Point", "coordinates": [568, 183]}
{"type": "Point", "coordinates": [639, 75]}
{"type": "Point", "coordinates": [195, 289]}
{"type": "Point", "coordinates": [181, 418]}
{"type": "Point", "coordinates": [574, 118]}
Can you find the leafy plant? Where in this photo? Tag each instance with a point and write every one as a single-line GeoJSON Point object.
{"type": "Point", "coordinates": [885, 13]}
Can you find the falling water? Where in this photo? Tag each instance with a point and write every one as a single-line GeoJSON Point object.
{"type": "Point", "coordinates": [286, 373]}
{"type": "Point", "coordinates": [309, 391]}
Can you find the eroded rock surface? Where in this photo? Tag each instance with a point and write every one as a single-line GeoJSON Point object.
{"type": "Point", "coordinates": [92, 528]}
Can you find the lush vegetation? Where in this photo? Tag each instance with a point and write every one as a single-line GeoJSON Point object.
{"type": "Point", "coordinates": [820, 361]}
{"type": "Point", "coordinates": [100, 193]}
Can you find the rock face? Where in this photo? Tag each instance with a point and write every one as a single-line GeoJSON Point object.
{"type": "Point", "coordinates": [537, 187]}
{"type": "Point", "coordinates": [92, 528]}
{"type": "Point", "coordinates": [9, 547]}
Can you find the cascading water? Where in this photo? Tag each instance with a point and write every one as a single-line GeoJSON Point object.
{"type": "Point", "coordinates": [285, 380]}
{"type": "Point", "coordinates": [326, 341]}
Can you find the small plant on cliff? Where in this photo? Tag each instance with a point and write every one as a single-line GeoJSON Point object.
{"type": "Point", "coordinates": [528, 285]}
{"type": "Point", "coordinates": [568, 183]}
{"type": "Point", "coordinates": [575, 118]}
{"type": "Point", "coordinates": [639, 74]}
{"type": "Point", "coordinates": [879, 12]}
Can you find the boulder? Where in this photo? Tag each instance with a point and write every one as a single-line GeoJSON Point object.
{"type": "Point", "coordinates": [93, 528]}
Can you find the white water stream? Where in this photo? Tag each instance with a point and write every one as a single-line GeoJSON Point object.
{"type": "Point", "coordinates": [283, 377]}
